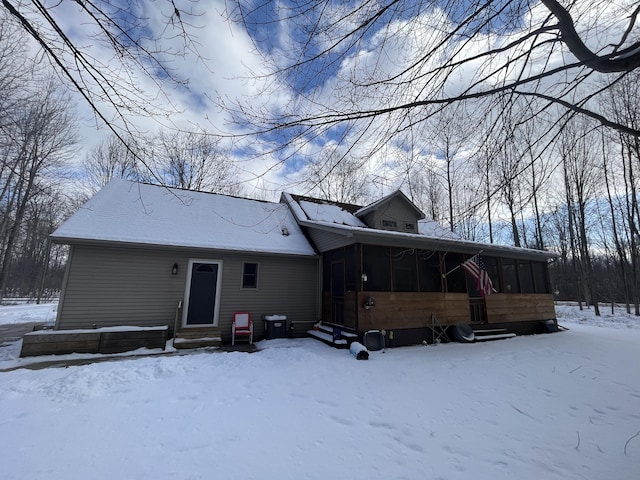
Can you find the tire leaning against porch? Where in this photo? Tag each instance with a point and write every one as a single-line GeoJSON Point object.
{"type": "Point", "coordinates": [463, 333]}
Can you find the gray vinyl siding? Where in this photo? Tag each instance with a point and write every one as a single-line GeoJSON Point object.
{"type": "Point", "coordinates": [114, 286]}
{"type": "Point", "coordinates": [118, 286]}
{"type": "Point", "coordinates": [286, 286]}
{"type": "Point", "coordinates": [325, 241]}
{"type": "Point", "coordinates": [396, 211]}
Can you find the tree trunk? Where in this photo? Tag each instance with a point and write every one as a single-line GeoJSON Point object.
{"type": "Point", "coordinates": [536, 210]}
{"type": "Point", "coordinates": [621, 257]}
{"type": "Point", "coordinates": [586, 256]}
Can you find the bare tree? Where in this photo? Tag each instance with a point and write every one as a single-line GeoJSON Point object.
{"type": "Point", "coordinates": [108, 160]}
{"type": "Point", "coordinates": [332, 175]}
{"type": "Point", "coordinates": [37, 264]}
{"type": "Point", "coordinates": [614, 206]}
{"type": "Point", "coordinates": [140, 40]}
{"type": "Point", "coordinates": [581, 172]}
{"type": "Point", "coordinates": [447, 141]}
{"type": "Point", "coordinates": [419, 175]}
{"type": "Point", "coordinates": [182, 159]}
{"type": "Point", "coordinates": [433, 193]}
{"type": "Point", "coordinates": [14, 71]}
{"type": "Point", "coordinates": [40, 139]}
{"type": "Point", "coordinates": [191, 160]}
{"type": "Point", "coordinates": [484, 157]}
{"type": "Point", "coordinates": [507, 166]}
{"type": "Point", "coordinates": [390, 65]}
{"type": "Point", "coordinates": [535, 175]}
{"type": "Point", "coordinates": [624, 105]}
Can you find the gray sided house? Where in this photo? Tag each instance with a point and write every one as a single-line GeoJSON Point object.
{"type": "Point", "coordinates": [147, 256]}
{"type": "Point", "coordinates": [151, 258]}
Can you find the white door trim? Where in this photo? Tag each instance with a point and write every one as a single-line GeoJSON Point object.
{"type": "Point", "coordinates": [187, 292]}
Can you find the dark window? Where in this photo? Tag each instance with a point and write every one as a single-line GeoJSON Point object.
{"type": "Point", "coordinates": [410, 226]}
{"type": "Point", "coordinates": [389, 223]}
{"type": "Point", "coordinates": [337, 255]}
{"type": "Point", "coordinates": [337, 279]}
{"type": "Point", "coordinates": [250, 275]}
{"type": "Point", "coordinates": [493, 269]}
{"type": "Point", "coordinates": [350, 268]}
{"type": "Point", "coordinates": [377, 267]}
{"type": "Point", "coordinates": [509, 276]}
{"type": "Point", "coordinates": [326, 272]}
{"type": "Point", "coordinates": [405, 271]}
{"type": "Point", "coordinates": [540, 277]}
{"type": "Point", "coordinates": [429, 272]}
{"type": "Point", "coordinates": [337, 292]}
{"type": "Point", "coordinates": [345, 255]}
{"type": "Point", "coordinates": [525, 277]}
{"type": "Point", "coordinates": [456, 279]}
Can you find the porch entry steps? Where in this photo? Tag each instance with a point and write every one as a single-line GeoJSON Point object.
{"type": "Point", "coordinates": [325, 333]}
{"type": "Point", "coordinates": [486, 334]}
{"type": "Point", "coordinates": [333, 336]}
{"type": "Point", "coordinates": [197, 337]}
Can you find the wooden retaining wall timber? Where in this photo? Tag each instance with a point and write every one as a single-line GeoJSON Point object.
{"type": "Point", "coordinates": [107, 340]}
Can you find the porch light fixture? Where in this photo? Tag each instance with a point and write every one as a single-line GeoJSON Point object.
{"type": "Point", "coordinates": [285, 231]}
{"type": "Point", "coordinates": [174, 269]}
{"type": "Point", "coordinates": [364, 277]}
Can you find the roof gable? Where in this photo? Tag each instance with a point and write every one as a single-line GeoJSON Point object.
{"type": "Point", "coordinates": [385, 201]}
{"type": "Point", "coordinates": [127, 212]}
{"type": "Point", "coordinates": [395, 212]}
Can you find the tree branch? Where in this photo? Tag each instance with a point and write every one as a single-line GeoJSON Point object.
{"type": "Point", "coordinates": [622, 61]}
{"type": "Point", "coordinates": [575, 108]}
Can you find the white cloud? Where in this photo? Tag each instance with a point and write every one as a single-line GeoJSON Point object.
{"type": "Point", "coordinates": [217, 60]}
{"type": "Point", "coordinates": [229, 68]}
{"type": "Point", "coordinates": [384, 55]}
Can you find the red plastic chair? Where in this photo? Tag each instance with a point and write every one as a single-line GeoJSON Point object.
{"type": "Point", "coordinates": [242, 326]}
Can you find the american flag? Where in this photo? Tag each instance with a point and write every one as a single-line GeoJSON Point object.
{"type": "Point", "coordinates": [475, 267]}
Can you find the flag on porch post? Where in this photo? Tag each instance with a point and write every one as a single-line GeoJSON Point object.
{"type": "Point", "coordinates": [475, 267]}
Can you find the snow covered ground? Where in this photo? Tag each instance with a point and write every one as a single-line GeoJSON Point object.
{"type": "Point", "coordinates": [12, 314]}
{"type": "Point", "coordinates": [559, 406]}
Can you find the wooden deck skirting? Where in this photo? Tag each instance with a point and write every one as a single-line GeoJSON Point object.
{"type": "Point", "coordinates": [519, 307]}
{"type": "Point", "coordinates": [397, 310]}
{"type": "Point", "coordinates": [101, 340]}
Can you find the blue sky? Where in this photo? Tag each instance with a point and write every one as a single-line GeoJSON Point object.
{"type": "Point", "coordinates": [221, 63]}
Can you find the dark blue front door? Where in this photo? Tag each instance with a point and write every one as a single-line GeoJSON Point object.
{"type": "Point", "coordinates": [202, 294]}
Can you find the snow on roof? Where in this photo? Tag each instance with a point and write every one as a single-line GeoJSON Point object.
{"type": "Point", "coordinates": [325, 212]}
{"type": "Point", "coordinates": [430, 228]}
{"type": "Point", "coordinates": [321, 214]}
{"type": "Point", "coordinates": [146, 214]}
